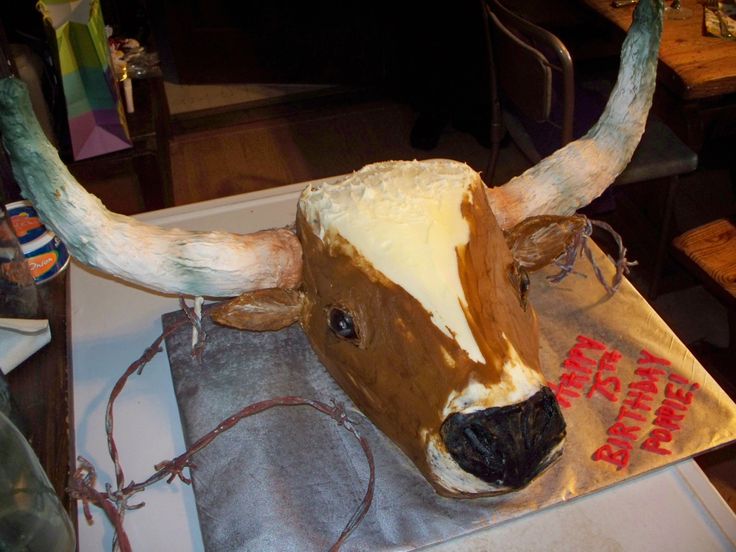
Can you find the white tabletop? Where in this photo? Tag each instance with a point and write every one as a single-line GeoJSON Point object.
{"type": "Point", "coordinates": [112, 323]}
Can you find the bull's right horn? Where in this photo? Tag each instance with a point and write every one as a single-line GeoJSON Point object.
{"type": "Point", "coordinates": [217, 264]}
{"type": "Point", "coordinates": [576, 174]}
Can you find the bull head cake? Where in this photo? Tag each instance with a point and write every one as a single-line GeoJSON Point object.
{"type": "Point", "coordinates": [400, 275]}
{"type": "Point", "coordinates": [410, 305]}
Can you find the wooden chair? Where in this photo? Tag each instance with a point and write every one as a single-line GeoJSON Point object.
{"type": "Point", "coordinates": [536, 100]}
{"type": "Point", "coordinates": [526, 76]}
{"type": "Point", "coordinates": [709, 252]}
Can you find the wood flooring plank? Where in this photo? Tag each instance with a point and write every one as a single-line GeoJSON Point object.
{"type": "Point", "coordinates": [314, 144]}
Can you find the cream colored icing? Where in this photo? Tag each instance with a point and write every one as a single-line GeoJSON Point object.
{"type": "Point", "coordinates": [518, 383]}
{"type": "Point", "coordinates": [407, 222]}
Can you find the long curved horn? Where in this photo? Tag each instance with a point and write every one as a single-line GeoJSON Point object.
{"type": "Point", "coordinates": [576, 174]}
{"type": "Point", "coordinates": [216, 264]}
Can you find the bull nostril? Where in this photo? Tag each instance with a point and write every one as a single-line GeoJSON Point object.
{"type": "Point", "coordinates": [507, 446]}
{"type": "Point", "coordinates": [477, 443]}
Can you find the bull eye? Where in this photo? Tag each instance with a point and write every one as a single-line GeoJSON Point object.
{"type": "Point", "coordinates": [520, 280]}
{"type": "Point", "coordinates": [342, 324]}
{"type": "Point", "coordinates": [524, 285]}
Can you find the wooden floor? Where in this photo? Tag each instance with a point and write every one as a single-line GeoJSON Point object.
{"type": "Point", "coordinates": [275, 151]}
{"type": "Point", "coordinates": [318, 144]}
{"type": "Point", "coordinates": [328, 140]}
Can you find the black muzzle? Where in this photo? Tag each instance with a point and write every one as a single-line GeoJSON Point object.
{"type": "Point", "coordinates": [507, 446]}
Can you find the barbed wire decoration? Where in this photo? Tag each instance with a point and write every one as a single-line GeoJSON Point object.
{"type": "Point", "coordinates": [115, 501]}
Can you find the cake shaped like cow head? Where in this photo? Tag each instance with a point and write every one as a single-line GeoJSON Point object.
{"type": "Point", "coordinates": [410, 304]}
{"type": "Point", "coordinates": [399, 274]}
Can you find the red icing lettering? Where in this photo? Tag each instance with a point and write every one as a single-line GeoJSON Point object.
{"type": "Point", "coordinates": [638, 400]}
{"type": "Point", "coordinates": [656, 437]}
{"type": "Point", "coordinates": [588, 343]}
{"type": "Point", "coordinates": [624, 432]}
{"type": "Point", "coordinates": [617, 457]}
{"type": "Point", "coordinates": [570, 364]}
{"type": "Point", "coordinates": [674, 405]}
{"type": "Point", "coordinates": [652, 445]}
{"type": "Point", "coordinates": [678, 379]}
{"type": "Point", "coordinates": [620, 443]}
{"type": "Point", "coordinates": [668, 412]}
{"type": "Point", "coordinates": [661, 434]}
{"type": "Point", "coordinates": [644, 386]}
{"type": "Point", "coordinates": [624, 412]}
{"type": "Point", "coordinates": [620, 429]}
{"type": "Point", "coordinates": [571, 379]}
{"type": "Point", "coordinates": [578, 356]}
{"type": "Point", "coordinates": [648, 358]}
{"type": "Point", "coordinates": [609, 360]}
{"type": "Point", "coordinates": [667, 418]}
{"type": "Point", "coordinates": [562, 393]}
{"type": "Point", "coordinates": [579, 369]}
{"type": "Point", "coordinates": [678, 394]}
{"type": "Point", "coordinates": [650, 374]}
{"type": "Point", "coordinates": [608, 387]}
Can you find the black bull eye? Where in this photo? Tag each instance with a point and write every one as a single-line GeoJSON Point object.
{"type": "Point", "coordinates": [342, 324]}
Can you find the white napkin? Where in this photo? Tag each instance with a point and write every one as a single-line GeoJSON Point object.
{"type": "Point", "coordinates": [19, 339]}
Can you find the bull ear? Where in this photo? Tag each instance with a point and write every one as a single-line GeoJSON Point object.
{"type": "Point", "coordinates": [537, 241]}
{"type": "Point", "coordinates": [261, 310]}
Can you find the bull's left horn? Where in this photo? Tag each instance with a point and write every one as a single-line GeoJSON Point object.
{"type": "Point", "coordinates": [576, 174]}
{"type": "Point", "coordinates": [215, 264]}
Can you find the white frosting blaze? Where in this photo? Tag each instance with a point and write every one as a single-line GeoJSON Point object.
{"type": "Point", "coordinates": [450, 475]}
{"type": "Point", "coordinates": [518, 383]}
{"type": "Point", "coordinates": [407, 222]}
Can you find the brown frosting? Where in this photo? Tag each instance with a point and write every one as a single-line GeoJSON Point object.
{"type": "Point", "coordinates": [494, 302]}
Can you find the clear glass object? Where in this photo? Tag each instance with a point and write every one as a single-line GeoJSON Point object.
{"type": "Point", "coordinates": [32, 518]}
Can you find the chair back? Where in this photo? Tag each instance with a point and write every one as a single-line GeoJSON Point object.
{"type": "Point", "coordinates": [530, 66]}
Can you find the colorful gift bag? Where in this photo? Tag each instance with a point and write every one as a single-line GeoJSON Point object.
{"type": "Point", "coordinates": [97, 123]}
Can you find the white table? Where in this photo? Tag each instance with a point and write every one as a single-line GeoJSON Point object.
{"type": "Point", "coordinates": [112, 323]}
